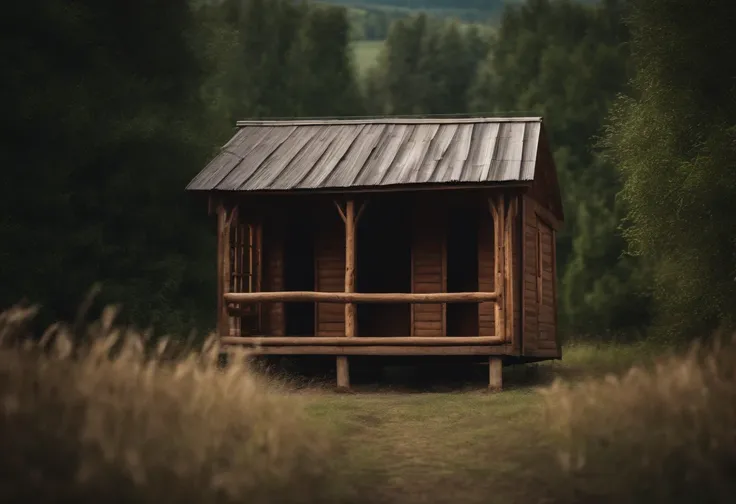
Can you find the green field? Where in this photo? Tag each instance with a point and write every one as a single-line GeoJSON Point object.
{"type": "Point", "coordinates": [463, 445]}
{"type": "Point", "coordinates": [365, 53]}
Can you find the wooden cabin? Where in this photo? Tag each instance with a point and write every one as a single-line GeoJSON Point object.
{"type": "Point", "coordinates": [387, 236]}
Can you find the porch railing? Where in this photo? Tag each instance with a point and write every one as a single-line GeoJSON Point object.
{"type": "Point", "coordinates": [234, 304]}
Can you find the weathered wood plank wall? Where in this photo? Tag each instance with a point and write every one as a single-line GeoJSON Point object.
{"type": "Point", "coordinates": [486, 276]}
{"type": "Point", "coordinates": [540, 290]}
{"type": "Point", "coordinates": [272, 314]}
{"type": "Point", "coordinates": [330, 274]}
{"type": "Point", "coordinates": [547, 306]}
{"type": "Point", "coordinates": [428, 269]}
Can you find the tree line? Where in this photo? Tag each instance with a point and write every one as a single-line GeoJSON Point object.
{"type": "Point", "coordinates": [111, 109]}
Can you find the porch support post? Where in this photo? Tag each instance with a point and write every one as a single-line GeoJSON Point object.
{"type": "Point", "coordinates": [495, 374]}
{"type": "Point", "coordinates": [498, 210]}
{"type": "Point", "coordinates": [224, 223]}
{"type": "Point", "coordinates": [221, 305]}
{"type": "Point", "coordinates": [350, 266]}
{"type": "Point", "coordinates": [349, 217]}
{"type": "Point", "coordinates": [509, 269]}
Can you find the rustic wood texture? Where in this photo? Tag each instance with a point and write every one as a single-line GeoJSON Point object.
{"type": "Point", "coordinates": [428, 270]}
{"type": "Point", "coordinates": [523, 269]}
{"type": "Point", "coordinates": [350, 250]}
{"type": "Point", "coordinates": [530, 285]}
{"type": "Point", "coordinates": [364, 340]}
{"type": "Point", "coordinates": [547, 330]}
{"type": "Point", "coordinates": [330, 272]}
{"type": "Point", "coordinates": [495, 374]}
{"type": "Point", "coordinates": [518, 281]}
{"type": "Point", "coordinates": [340, 297]}
{"type": "Point", "coordinates": [285, 156]}
{"type": "Point", "coordinates": [273, 319]}
{"type": "Point", "coordinates": [221, 289]}
{"type": "Point", "coordinates": [486, 272]}
{"type": "Point", "coordinates": [511, 253]}
{"type": "Point", "coordinates": [540, 290]}
{"type": "Point", "coordinates": [498, 211]}
{"type": "Point", "coordinates": [343, 373]}
{"type": "Point", "coordinates": [259, 269]}
{"type": "Point", "coordinates": [480, 350]}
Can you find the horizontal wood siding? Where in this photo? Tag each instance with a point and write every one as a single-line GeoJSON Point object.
{"type": "Point", "coordinates": [274, 323]}
{"type": "Point", "coordinates": [486, 277]}
{"type": "Point", "coordinates": [330, 275]}
{"type": "Point", "coordinates": [428, 270]}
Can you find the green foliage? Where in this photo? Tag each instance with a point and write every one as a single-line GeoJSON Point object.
{"type": "Point", "coordinates": [366, 53]}
{"type": "Point", "coordinates": [290, 59]}
{"type": "Point", "coordinates": [674, 140]}
{"type": "Point", "coordinates": [426, 67]}
{"type": "Point", "coordinates": [102, 127]}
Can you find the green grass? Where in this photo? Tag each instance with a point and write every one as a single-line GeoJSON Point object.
{"type": "Point", "coordinates": [463, 446]}
{"type": "Point", "coordinates": [449, 447]}
{"type": "Point", "coordinates": [366, 54]}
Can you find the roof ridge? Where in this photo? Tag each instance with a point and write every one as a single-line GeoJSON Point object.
{"type": "Point", "coordinates": [386, 120]}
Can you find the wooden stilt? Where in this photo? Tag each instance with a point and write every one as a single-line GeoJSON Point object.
{"type": "Point", "coordinates": [495, 374]}
{"type": "Point", "coordinates": [343, 373]}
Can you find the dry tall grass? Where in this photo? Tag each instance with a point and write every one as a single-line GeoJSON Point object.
{"type": "Point", "coordinates": [665, 435]}
{"type": "Point", "coordinates": [108, 421]}
{"type": "Point", "coordinates": [116, 419]}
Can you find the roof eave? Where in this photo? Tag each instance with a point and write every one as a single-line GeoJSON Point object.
{"type": "Point", "coordinates": [376, 189]}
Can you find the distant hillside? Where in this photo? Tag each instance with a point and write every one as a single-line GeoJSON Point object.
{"type": "Point", "coordinates": [482, 5]}
{"type": "Point", "coordinates": [472, 11]}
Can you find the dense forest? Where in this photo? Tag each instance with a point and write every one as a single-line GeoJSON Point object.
{"type": "Point", "coordinates": [110, 109]}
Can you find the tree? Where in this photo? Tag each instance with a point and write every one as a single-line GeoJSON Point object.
{"type": "Point", "coordinates": [320, 70]}
{"type": "Point", "coordinates": [426, 67]}
{"type": "Point", "coordinates": [101, 130]}
{"type": "Point", "coordinates": [674, 139]}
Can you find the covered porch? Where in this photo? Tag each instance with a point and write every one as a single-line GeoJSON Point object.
{"type": "Point", "coordinates": [403, 274]}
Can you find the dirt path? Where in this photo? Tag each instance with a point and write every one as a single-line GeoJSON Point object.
{"type": "Point", "coordinates": [444, 447]}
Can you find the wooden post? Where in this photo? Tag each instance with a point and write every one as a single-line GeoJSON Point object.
{"type": "Point", "coordinates": [498, 211]}
{"type": "Point", "coordinates": [259, 272]}
{"type": "Point", "coordinates": [224, 223]}
{"type": "Point", "coordinates": [232, 263]}
{"type": "Point", "coordinates": [221, 250]}
{"type": "Point", "coordinates": [349, 218]}
{"type": "Point", "coordinates": [350, 266]}
{"type": "Point", "coordinates": [495, 374]}
{"type": "Point", "coordinates": [509, 269]}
